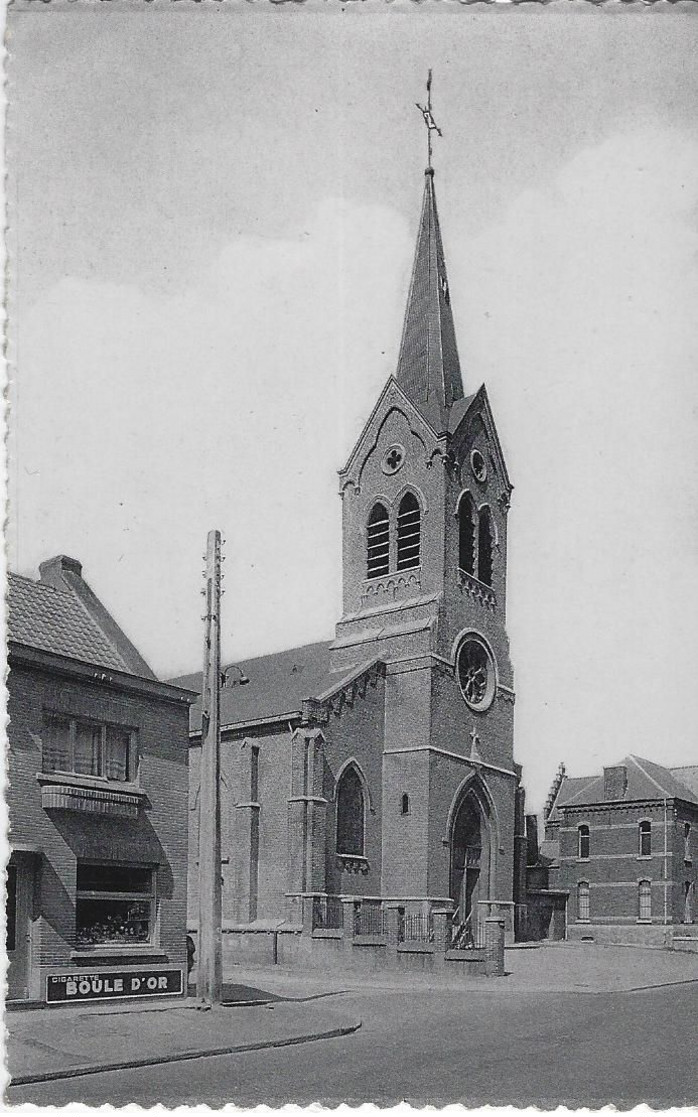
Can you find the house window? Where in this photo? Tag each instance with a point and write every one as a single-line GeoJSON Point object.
{"type": "Point", "coordinates": [687, 843]}
{"type": "Point", "coordinates": [350, 814]}
{"type": "Point", "coordinates": [115, 904]}
{"type": "Point", "coordinates": [688, 892]}
{"type": "Point", "coordinates": [87, 748]}
{"type": "Point", "coordinates": [644, 901]}
{"type": "Point", "coordinates": [583, 907]}
{"type": "Point", "coordinates": [254, 774]}
{"type": "Point", "coordinates": [645, 839]}
{"type": "Point", "coordinates": [378, 547]}
{"type": "Point", "coordinates": [409, 519]}
{"type": "Point", "coordinates": [405, 806]}
{"type": "Point", "coordinates": [466, 534]}
{"type": "Point", "coordinates": [583, 843]}
{"type": "Point", "coordinates": [484, 547]}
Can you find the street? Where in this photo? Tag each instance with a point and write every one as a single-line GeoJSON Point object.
{"type": "Point", "coordinates": [428, 1045]}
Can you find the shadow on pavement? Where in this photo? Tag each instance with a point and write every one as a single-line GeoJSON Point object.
{"type": "Point", "coordinates": [241, 995]}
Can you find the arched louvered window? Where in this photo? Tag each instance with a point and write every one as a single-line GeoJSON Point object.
{"type": "Point", "coordinates": [645, 839]}
{"type": "Point", "coordinates": [378, 546]}
{"type": "Point", "coordinates": [644, 901]}
{"type": "Point", "coordinates": [409, 526]}
{"type": "Point", "coordinates": [466, 534]}
{"type": "Point", "coordinates": [484, 547]}
{"type": "Point", "coordinates": [350, 813]}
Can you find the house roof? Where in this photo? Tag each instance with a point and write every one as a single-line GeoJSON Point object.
{"type": "Point", "coordinates": [56, 620]}
{"type": "Point", "coordinates": [570, 788]}
{"type": "Point", "coordinates": [428, 368]}
{"type": "Point", "coordinates": [645, 780]}
{"type": "Point", "coordinates": [278, 684]}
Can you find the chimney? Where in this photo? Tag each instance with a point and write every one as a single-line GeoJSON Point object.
{"type": "Point", "coordinates": [615, 782]}
{"type": "Point", "coordinates": [53, 571]}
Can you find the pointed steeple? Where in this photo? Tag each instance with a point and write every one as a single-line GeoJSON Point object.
{"type": "Point", "coordinates": [428, 368]}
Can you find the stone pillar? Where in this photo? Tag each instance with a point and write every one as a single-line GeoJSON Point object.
{"type": "Point", "coordinates": [494, 946]}
{"type": "Point", "coordinates": [306, 817]}
{"type": "Point", "coordinates": [442, 936]}
{"type": "Point", "coordinates": [348, 904]}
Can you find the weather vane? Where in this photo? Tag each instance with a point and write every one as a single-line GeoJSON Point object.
{"type": "Point", "coordinates": [431, 124]}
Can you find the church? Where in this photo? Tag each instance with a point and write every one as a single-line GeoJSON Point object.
{"type": "Point", "coordinates": [374, 773]}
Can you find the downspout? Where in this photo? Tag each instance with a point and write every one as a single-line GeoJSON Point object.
{"type": "Point", "coordinates": [666, 868]}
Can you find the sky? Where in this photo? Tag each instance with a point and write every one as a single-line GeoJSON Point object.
{"type": "Point", "coordinates": [213, 216]}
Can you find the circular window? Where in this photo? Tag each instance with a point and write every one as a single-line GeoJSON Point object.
{"type": "Point", "coordinates": [475, 671]}
{"type": "Point", "coordinates": [393, 459]}
{"type": "Point", "coordinates": [478, 466]}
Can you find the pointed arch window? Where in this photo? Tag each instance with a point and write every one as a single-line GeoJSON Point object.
{"type": "Point", "coordinates": [484, 547]}
{"type": "Point", "coordinates": [466, 534]}
{"type": "Point", "coordinates": [378, 544]}
{"type": "Point", "coordinates": [409, 530]}
{"type": "Point", "coordinates": [351, 812]}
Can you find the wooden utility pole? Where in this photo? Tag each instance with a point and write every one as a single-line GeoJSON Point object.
{"type": "Point", "coordinates": [209, 963]}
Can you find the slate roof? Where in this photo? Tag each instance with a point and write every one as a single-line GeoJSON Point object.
{"type": "Point", "coordinates": [53, 620]}
{"type": "Point", "coordinates": [646, 780]}
{"type": "Point", "coordinates": [428, 368]}
{"type": "Point", "coordinates": [570, 787]}
{"type": "Point", "coordinates": [278, 685]}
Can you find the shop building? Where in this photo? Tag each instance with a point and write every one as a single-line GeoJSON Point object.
{"type": "Point", "coordinates": [97, 797]}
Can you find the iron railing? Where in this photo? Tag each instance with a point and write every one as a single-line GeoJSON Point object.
{"type": "Point", "coordinates": [328, 913]}
{"type": "Point", "coordinates": [368, 918]}
{"type": "Point", "coordinates": [415, 927]}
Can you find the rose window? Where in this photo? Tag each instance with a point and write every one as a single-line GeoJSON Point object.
{"type": "Point", "coordinates": [479, 468]}
{"type": "Point", "coordinates": [393, 458]}
{"type": "Point", "coordinates": [475, 674]}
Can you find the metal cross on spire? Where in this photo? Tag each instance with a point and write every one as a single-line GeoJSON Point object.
{"type": "Point", "coordinates": [431, 124]}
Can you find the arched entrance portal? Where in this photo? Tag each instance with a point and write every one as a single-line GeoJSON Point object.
{"type": "Point", "coordinates": [470, 857]}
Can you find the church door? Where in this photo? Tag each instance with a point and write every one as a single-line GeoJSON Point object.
{"type": "Point", "coordinates": [468, 869]}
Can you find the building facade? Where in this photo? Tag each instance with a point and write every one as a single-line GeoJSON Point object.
{"type": "Point", "coordinates": [622, 847]}
{"type": "Point", "coordinates": [97, 794]}
{"type": "Point", "coordinates": [380, 765]}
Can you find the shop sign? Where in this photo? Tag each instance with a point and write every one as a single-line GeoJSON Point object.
{"type": "Point", "coordinates": [107, 985]}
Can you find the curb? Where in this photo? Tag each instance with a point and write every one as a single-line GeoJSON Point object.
{"type": "Point", "coordinates": [180, 1056]}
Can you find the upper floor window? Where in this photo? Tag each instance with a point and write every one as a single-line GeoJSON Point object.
{"type": "Point", "coordinates": [583, 905]}
{"type": "Point", "coordinates": [350, 813]}
{"type": "Point", "coordinates": [378, 549]}
{"type": "Point", "coordinates": [87, 748]}
{"type": "Point", "coordinates": [645, 839]}
{"type": "Point", "coordinates": [405, 806]}
{"type": "Point", "coordinates": [409, 519]}
{"type": "Point", "coordinates": [687, 842]}
{"type": "Point", "coordinates": [466, 534]}
{"type": "Point", "coordinates": [484, 547]}
{"type": "Point", "coordinates": [583, 842]}
{"type": "Point", "coordinates": [644, 901]}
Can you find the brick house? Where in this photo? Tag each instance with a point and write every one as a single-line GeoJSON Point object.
{"type": "Point", "coordinates": [379, 765]}
{"type": "Point", "coordinates": [623, 847]}
{"type": "Point", "coordinates": [97, 791]}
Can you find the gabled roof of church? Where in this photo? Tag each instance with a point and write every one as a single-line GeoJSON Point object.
{"type": "Point", "coordinates": [278, 685]}
{"type": "Point", "coordinates": [428, 368]}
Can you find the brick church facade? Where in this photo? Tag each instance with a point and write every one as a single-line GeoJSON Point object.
{"type": "Point", "coordinates": [379, 766]}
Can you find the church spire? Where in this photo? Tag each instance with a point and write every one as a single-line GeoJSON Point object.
{"type": "Point", "coordinates": [428, 369]}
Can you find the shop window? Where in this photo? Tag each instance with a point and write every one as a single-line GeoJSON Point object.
{"type": "Point", "coordinates": [484, 547]}
{"type": "Point", "coordinates": [409, 520]}
{"type": "Point", "coordinates": [378, 546]}
{"type": "Point", "coordinates": [583, 906]}
{"type": "Point", "coordinates": [89, 749]}
{"type": "Point", "coordinates": [350, 814]}
{"type": "Point", "coordinates": [645, 839]}
{"type": "Point", "coordinates": [115, 905]}
{"type": "Point", "coordinates": [644, 901]}
{"type": "Point", "coordinates": [687, 843]}
{"type": "Point", "coordinates": [583, 843]}
{"type": "Point", "coordinates": [405, 807]}
{"type": "Point", "coordinates": [466, 534]}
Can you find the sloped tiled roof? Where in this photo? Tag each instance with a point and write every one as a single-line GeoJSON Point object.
{"type": "Point", "coordinates": [645, 780]}
{"type": "Point", "coordinates": [52, 620]}
{"type": "Point", "coordinates": [570, 788]}
{"type": "Point", "coordinates": [278, 685]}
{"type": "Point", "coordinates": [688, 776]}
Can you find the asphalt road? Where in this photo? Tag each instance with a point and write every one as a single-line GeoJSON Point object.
{"type": "Point", "coordinates": [429, 1046]}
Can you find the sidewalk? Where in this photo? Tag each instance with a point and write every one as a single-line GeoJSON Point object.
{"type": "Point", "coordinates": [50, 1043]}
